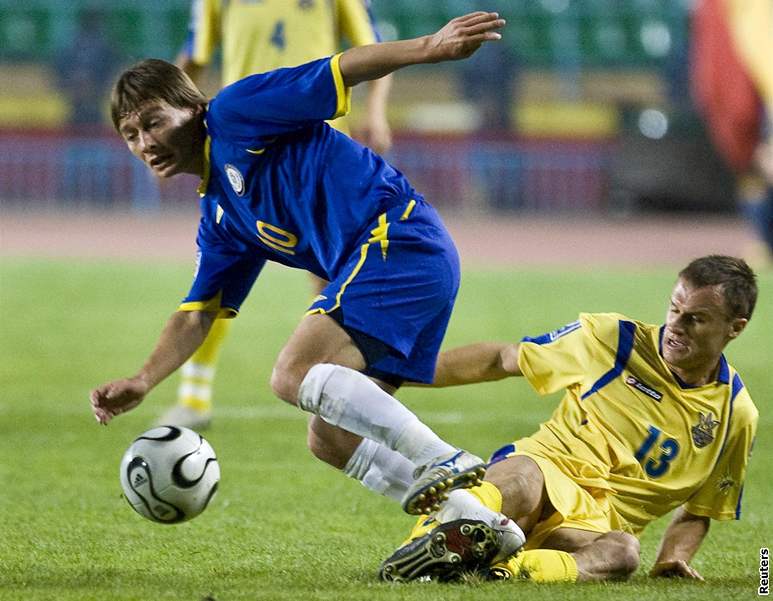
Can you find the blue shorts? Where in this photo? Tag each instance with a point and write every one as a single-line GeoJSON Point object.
{"type": "Point", "coordinates": [399, 287]}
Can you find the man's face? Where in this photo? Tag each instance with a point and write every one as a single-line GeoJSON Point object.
{"type": "Point", "coordinates": [165, 138]}
{"type": "Point", "coordinates": [698, 327]}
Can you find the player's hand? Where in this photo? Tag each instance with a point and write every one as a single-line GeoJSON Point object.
{"type": "Point", "coordinates": [116, 397]}
{"type": "Point", "coordinates": [462, 36]}
{"type": "Point", "coordinates": [677, 568]}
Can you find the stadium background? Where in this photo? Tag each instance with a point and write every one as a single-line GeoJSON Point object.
{"type": "Point", "coordinates": [601, 183]}
{"type": "Point", "coordinates": [598, 114]}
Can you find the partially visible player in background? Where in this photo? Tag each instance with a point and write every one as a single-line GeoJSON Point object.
{"type": "Point", "coordinates": [732, 80]}
{"type": "Point", "coordinates": [255, 37]}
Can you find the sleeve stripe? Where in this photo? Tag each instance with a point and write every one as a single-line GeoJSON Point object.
{"type": "Point", "coordinates": [222, 312]}
{"type": "Point", "coordinates": [738, 506]}
{"type": "Point", "coordinates": [211, 305]}
{"type": "Point", "coordinates": [624, 349]}
{"type": "Point", "coordinates": [343, 94]}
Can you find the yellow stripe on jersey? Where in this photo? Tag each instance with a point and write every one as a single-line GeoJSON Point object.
{"type": "Point", "coordinates": [408, 210]}
{"type": "Point", "coordinates": [343, 93]}
{"type": "Point", "coordinates": [355, 271]}
{"type": "Point", "coordinates": [202, 188]}
{"type": "Point", "coordinates": [378, 234]}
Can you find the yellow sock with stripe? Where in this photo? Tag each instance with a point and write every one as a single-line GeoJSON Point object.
{"type": "Point", "coordinates": [541, 565]}
{"type": "Point", "coordinates": [198, 373]}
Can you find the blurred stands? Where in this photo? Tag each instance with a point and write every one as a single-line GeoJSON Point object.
{"type": "Point", "coordinates": [594, 81]}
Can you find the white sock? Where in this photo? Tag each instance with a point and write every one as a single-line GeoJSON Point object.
{"type": "Point", "coordinates": [380, 469]}
{"type": "Point", "coordinates": [346, 398]}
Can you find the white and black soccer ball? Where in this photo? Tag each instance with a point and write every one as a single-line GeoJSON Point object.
{"type": "Point", "coordinates": [169, 474]}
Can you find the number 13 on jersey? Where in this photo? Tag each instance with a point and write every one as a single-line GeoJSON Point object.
{"type": "Point", "coordinates": [669, 449]}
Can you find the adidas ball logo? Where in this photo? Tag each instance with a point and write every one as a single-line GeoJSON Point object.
{"type": "Point", "coordinates": [139, 479]}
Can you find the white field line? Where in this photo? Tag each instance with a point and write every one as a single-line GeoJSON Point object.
{"type": "Point", "coordinates": [258, 412]}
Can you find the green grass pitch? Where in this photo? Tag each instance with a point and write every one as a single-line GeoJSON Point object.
{"type": "Point", "coordinates": [283, 525]}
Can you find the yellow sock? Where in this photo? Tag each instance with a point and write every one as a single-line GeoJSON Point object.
{"type": "Point", "coordinates": [198, 373]}
{"type": "Point", "coordinates": [487, 493]}
{"type": "Point", "coordinates": [542, 565]}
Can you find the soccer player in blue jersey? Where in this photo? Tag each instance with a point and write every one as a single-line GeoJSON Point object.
{"type": "Point", "coordinates": [654, 419]}
{"type": "Point", "coordinates": [255, 37]}
{"type": "Point", "coordinates": [279, 184]}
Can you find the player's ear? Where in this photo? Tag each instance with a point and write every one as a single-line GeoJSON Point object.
{"type": "Point", "coordinates": [737, 326]}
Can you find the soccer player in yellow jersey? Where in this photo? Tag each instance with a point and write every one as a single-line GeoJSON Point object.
{"type": "Point", "coordinates": [269, 34]}
{"type": "Point", "coordinates": [255, 37]}
{"type": "Point", "coordinates": [654, 419]}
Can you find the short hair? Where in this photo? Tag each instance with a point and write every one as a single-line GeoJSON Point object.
{"type": "Point", "coordinates": [737, 280]}
{"type": "Point", "coordinates": [152, 80]}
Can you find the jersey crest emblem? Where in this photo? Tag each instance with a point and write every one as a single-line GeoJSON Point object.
{"type": "Point", "coordinates": [235, 178]}
{"type": "Point", "coordinates": [703, 431]}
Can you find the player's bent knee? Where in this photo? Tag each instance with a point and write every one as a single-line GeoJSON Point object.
{"type": "Point", "coordinates": [278, 385]}
{"type": "Point", "coordinates": [285, 383]}
{"type": "Point", "coordinates": [627, 553]}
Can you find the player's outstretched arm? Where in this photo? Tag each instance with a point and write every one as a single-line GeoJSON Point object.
{"type": "Point", "coordinates": [680, 542]}
{"type": "Point", "coordinates": [480, 362]}
{"type": "Point", "coordinates": [182, 335]}
{"type": "Point", "coordinates": [458, 39]}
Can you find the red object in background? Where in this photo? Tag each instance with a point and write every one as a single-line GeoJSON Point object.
{"type": "Point", "coordinates": [722, 87]}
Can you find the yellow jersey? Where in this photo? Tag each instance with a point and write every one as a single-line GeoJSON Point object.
{"type": "Point", "coordinates": [629, 429]}
{"type": "Point", "coordinates": [262, 35]}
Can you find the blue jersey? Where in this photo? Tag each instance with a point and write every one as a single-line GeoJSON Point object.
{"type": "Point", "coordinates": [282, 185]}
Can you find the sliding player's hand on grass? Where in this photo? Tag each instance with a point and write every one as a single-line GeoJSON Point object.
{"type": "Point", "coordinates": [675, 569]}
{"type": "Point", "coordinates": [116, 397]}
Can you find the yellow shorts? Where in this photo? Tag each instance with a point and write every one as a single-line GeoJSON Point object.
{"type": "Point", "coordinates": [576, 506]}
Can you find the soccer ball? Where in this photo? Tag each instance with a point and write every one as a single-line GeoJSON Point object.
{"type": "Point", "coordinates": [169, 474]}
